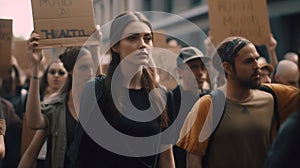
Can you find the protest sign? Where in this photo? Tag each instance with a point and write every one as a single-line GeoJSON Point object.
{"type": "Point", "coordinates": [246, 18]}
{"type": "Point", "coordinates": [63, 23]}
{"type": "Point", "coordinates": [19, 50]}
{"type": "Point", "coordinates": [5, 45]}
{"type": "Point", "coordinates": [159, 39]}
{"type": "Point", "coordinates": [165, 56]}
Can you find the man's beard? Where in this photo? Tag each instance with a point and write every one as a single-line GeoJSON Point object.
{"type": "Point", "coordinates": [254, 84]}
{"type": "Point", "coordinates": [251, 84]}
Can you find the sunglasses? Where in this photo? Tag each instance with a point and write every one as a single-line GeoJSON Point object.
{"type": "Point", "coordinates": [60, 72]}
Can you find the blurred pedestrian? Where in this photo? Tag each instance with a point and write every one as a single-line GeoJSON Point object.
{"type": "Point", "coordinates": [287, 73]}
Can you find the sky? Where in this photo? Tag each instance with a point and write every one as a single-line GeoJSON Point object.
{"type": "Point", "coordinates": [20, 12]}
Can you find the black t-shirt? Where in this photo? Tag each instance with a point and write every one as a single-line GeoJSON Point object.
{"type": "Point", "coordinates": [93, 155]}
{"type": "Point", "coordinates": [139, 98]}
{"type": "Point", "coordinates": [70, 124]}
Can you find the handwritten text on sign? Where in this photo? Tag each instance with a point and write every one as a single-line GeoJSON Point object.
{"type": "Point", "coordinates": [5, 36]}
{"type": "Point", "coordinates": [5, 45]}
{"type": "Point", "coordinates": [5, 32]}
{"type": "Point", "coordinates": [64, 33]}
{"type": "Point", "coordinates": [61, 5]}
{"type": "Point", "coordinates": [56, 2]}
{"type": "Point", "coordinates": [63, 22]}
{"type": "Point", "coordinates": [247, 18]}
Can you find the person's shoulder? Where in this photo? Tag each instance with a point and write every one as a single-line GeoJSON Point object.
{"type": "Point", "coordinates": [281, 90]}
{"type": "Point", "coordinates": [164, 88]}
{"type": "Point", "coordinates": [97, 79]}
{"type": "Point", "coordinates": [176, 89]}
{"type": "Point", "coordinates": [96, 83]}
{"type": "Point", "coordinates": [8, 112]}
{"type": "Point", "coordinates": [278, 86]}
{"type": "Point", "coordinates": [168, 92]}
{"type": "Point", "coordinates": [261, 92]}
{"type": "Point", "coordinates": [204, 92]}
{"type": "Point", "coordinates": [6, 103]}
{"type": "Point", "coordinates": [205, 98]}
{"type": "Point", "coordinates": [55, 99]}
{"type": "Point", "coordinates": [202, 105]}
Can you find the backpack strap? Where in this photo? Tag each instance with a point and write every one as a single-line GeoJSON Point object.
{"type": "Point", "coordinates": [73, 150]}
{"type": "Point", "coordinates": [218, 103]}
{"type": "Point", "coordinates": [276, 117]}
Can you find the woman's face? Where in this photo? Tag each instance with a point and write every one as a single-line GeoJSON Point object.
{"type": "Point", "coordinates": [56, 76]}
{"type": "Point", "coordinates": [83, 70]}
{"type": "Point", "coordinates": [136, 43]}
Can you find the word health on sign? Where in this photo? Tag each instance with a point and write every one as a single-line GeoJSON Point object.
{"type": "Point", "coordinates": [63, 33]}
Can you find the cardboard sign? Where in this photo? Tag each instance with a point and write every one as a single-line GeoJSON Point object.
{"type": "Point", "coordinates": [63, 23]}
{"type": "Point", "coordinates": [165, 56]}
{"type": "Point", "coordinates": [246, 18]}
{"type": "Point", "coordinates": [19, 50]}
{"type": "Point", "coordinates": [5, 45]}
{"type": "Point", "coordinates": [159, 39]}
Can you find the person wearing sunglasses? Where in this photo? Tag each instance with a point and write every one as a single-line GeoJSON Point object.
{"type": "Point", "coordinates": [56, 118]}
{"type": "Point", "coordinates": [53, 78]}
{"type": "Point", "coordinates": [51, 81]}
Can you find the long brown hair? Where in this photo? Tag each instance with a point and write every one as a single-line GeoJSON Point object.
{"type": "Point", "coordinates": [148, 73]}
{"type": "Point", "coordinates": [44, 79]}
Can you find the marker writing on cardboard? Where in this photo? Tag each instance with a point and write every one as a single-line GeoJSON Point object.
{"type": "Point", "coordinates": [5, 36]}
{"type": "Point", "coordinates": [249, 20]}
{"type": "Point", "coordinates": [55, 2]}
{"type": "Point", "coordinates": [5, 26]}
{"type": "Point", "coordinates": [252, 32]}
{"type": "Point", "coordinates": [63, 33]}
{"type": "Point", "coordinates": [235, 5]}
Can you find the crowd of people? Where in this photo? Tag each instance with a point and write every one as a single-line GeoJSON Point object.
{"type": "Point", "coordinates": [234, 107]}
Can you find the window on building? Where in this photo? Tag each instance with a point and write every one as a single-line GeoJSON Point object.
{"type": "Point", "coordinates": [147, 6]}
{"type": "Point", "coordinates": [195, 2]}
{"type": "Point", "coordinates": [126, 5]}
{"type": "Point", "coordinates": [168, 5]}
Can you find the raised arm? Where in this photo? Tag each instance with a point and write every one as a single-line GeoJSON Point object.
{"type": "Point", "coordinates": [29, 157]}
{"type": "Point", "coordinates": [2, 147]}
{"type": "Point", "coordinates": [271, 46]}
{"type": "Point", "coordinates": [209, 46]}
{"type": "Point", "coordinates": [34, 116]}
{"type": "Point", "coordinates": [2, 132]}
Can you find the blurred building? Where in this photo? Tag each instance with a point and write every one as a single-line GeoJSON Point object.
{"type": "Point", "coordinates": [284, 18]}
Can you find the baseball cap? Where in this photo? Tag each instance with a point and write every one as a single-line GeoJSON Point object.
{"type": "Point", "coordinates": [190, 53]}
{"type": "Point", "coordinates": [268, 66]}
